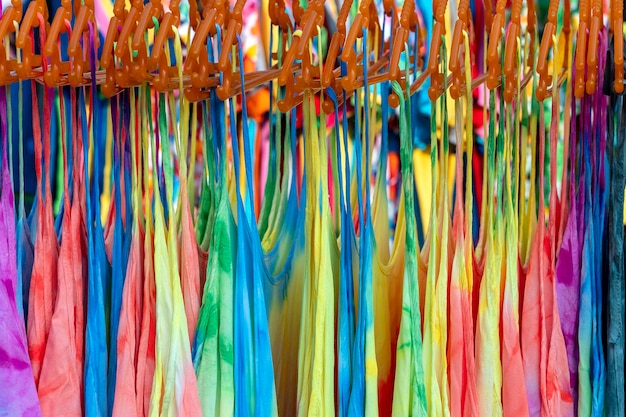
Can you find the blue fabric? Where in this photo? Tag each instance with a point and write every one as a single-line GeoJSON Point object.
{"type": "Point", "coordinates": [600, 177]}
{"type": "Point", "coordinates": [420, 102]}
{"type": "Point", "coordinates": [251, 327]}
{"type": "Point", "coordinates": [26, 120]}
{"type": "Point", "coordinates": [616, 287]}
{"type": "Point", "coordinates": [345, 325]}
{"type": "Point", "coordinates": [121, 240]}
{"type": "Point", "coordinates": [96, 355]}
{"type": "Point", "coordinates": [25, 250]}
{"type": "Point", "coordinates": [365, 319]}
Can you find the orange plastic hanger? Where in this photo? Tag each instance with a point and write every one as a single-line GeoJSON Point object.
{"type": "Point", "coordinates": [545, 79]}
{"type": "Point", "coordinates": [581, 48]}
{"type": "Point", "coordinates": [12, 15]}
{"type": "Point", "coordinates": [233, 28]}
{"type": "Point", "coordinates": [197, 65]}
{"type": "Point", "coordinates": [203, 74]}
{"type": "Point", "coordinates": [79, 56]}
{"type": "Point", "coordinates": [407, 14]}
{"type": "Point", "coordinates": [110, 87]}
{"type": "Point", "coordinates": [617, 11]}
{"type": "Point", "coordinates": [194, 15]}
{"type": "Point", "coordinates": [457, 62]}
{"type": "Point", "coordinates": [567, 29]}
{"type": "Point", "coordinates": [592, 46]}
{"type": "Point", "coordinates": [166, 72]}
{"type": "Point", "coordinates": [57, 69]}
{"type": "Point", "coordinates": [439, 29]}
{"type": "Point", "coordinates": [310, 19]}
{"type": "Point", "coordinates": [494, 67]}
{"type": "Point", "coordinates": [36, 15]}
{"type": "Point", "coordinates": [348, 55]}
{"type": "Point", "coordinates": [130, 70]}
{"type": "Point", "coordinates": [531, 28]}
{"type": "Point", "coordinates": [432, 65]}
{"type": "Point", "coordinates": [279, 17]}
{"type": "Point", "coordinates": [407, 21]}
{"type": "Point", "coordinates": [329, 77]}
{"type": "Point", "coordinates": [142, 65]}
{"type": "Point", "coordinates": [510, 62]}
{"type": "Point", "coordinates": [488, 6]}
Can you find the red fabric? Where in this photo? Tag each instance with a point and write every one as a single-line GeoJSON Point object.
{"type": "Point", "coordinates": [146, 353]}
{"type": "Point", "coordinates": [461, 364]}
{"type": "Point", "coordinates": [60, 386]}
{"type": "Point", "coordinates": [189, 271]}
{"type": "Point", "coordinates": [127, 397]}
{"type": "Point", "coordinates": [43, 285]}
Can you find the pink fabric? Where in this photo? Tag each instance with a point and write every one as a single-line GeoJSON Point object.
{"type": "Point", "coordinates": [127, 398]}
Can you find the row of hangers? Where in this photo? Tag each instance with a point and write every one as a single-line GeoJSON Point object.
{"type": "Point", "coordinates": [128, 61]}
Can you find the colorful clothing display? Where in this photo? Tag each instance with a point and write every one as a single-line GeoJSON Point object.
{"type": "Point", "coordinates": [312, 209]}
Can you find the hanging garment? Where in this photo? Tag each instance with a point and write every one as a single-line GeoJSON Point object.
{"type": "Point", "coordinates": [61, 380]}
{"type": "Point", "coordinates": [387, 268]}
{"type": "Point", "coordinates": [25, 248]}
{"type": "Point", "coordinates": [363, 397]}
{"type": "Point", "coordinates": [600, 180]}
{"type": "Point", "coordinates": [530, 234]}
{"type": "Point", "coordinates": [569, 258]}
{"type": "Point", "coordinates": [463, 400]}
{"type": "Point", "coordinates": [347, 269]}
{"type": "Point", "coordinates": [282, 241]}
{"type": "Point", "coordinates": [42, 297]}
{"type": "Point", "coordinates": [285, 279]}
{"type": "Point", "coordinates": [556, 391]}
{"type": "Point", "coordinates": [13, 349]}
{"type": "Point", "coordinates": [174, 390]}
{"type": "Point", "coordinates": [585, 331]}
{"type": "Point", "coordinates": [409, 397]}
{"type": "Point", "coordinates": [213, 356]}
{"type": "Point", "coordinates": [146, 354]}
{"type": "Point", "coordinates": [95, 371]}
{"type": "Point", "coordinates": [316, 367]}
{"type": "Point", "coordinates": [128, 399]}
{"type": "Point", "coordinates": [514, 399]}
{"type": "Point", "coordinates": [118, 232]}
{"type": "Point", "coordinates": [213, 347]}
{"type": "Point", "coordinates": [255, 391]}
{"type": "Point", "coordinates": [188, 248]}
{"type": "Point", "coordinates": [591, 365]}
{"type": "Point", "coordinates": [439, 265]}
{"type": "Point", "coordinates": [488, 359]}
{"type": "Point", "coordinates": [615, 213]}
{"type": "Point", "coordinates": [545, 362]}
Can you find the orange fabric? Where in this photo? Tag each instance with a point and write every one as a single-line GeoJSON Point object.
{"type": "Point", "coordinates": [61, 381]}
{"type": "Point", "coordinates": [127, 397]}
{"type": "Point", "coordinates": [189, 263]}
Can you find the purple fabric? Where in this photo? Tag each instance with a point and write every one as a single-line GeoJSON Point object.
{"type": "Point", "coordinates": [18, 396]}
{"type": "Point", "coordinates": [568, 265]}
{"type": "Point", "coordinates": [567, 290]}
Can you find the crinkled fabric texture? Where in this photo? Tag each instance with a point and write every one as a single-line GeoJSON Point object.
{"type": "Point", "coordinates": [15, 363]}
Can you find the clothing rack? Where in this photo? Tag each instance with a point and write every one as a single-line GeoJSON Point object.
{"type": "Point", "coordinates": [207, 238]}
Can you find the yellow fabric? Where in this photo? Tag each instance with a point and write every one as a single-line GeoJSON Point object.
{"type": "Point", "coordinates": [423, 180]}
{"type": "Point", "coordinates": [105, 197]}
{"type": "Point", "coordinates": [488, 364]}
{"type": "Point", "coordinates": [435, 309]}
{"type": "Point", "coordinates": [316, 363]}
